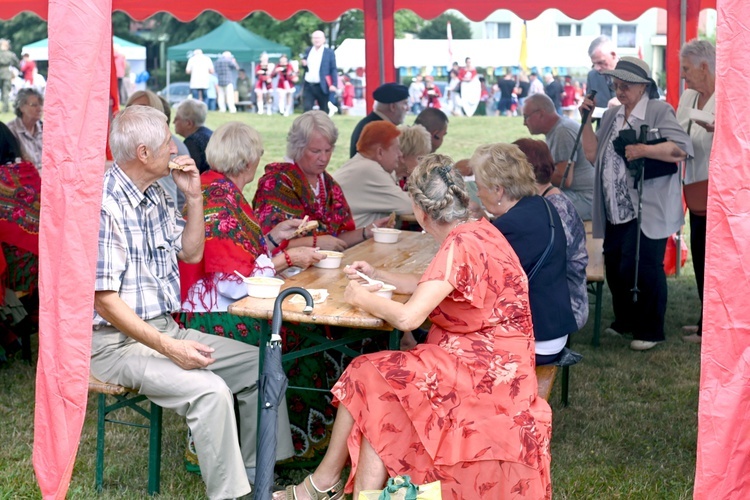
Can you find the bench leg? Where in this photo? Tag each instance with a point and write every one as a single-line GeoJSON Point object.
{"type": "Point", "coordinates": [565, 384]}
{"type": "Point", "coordinates": [154, 450]}
{"type": "Point", "coordinates": [101, 415]}
{"type": "Point", "coordinates": [598, 288]}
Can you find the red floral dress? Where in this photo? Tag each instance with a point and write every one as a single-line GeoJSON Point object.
{"type": "Point", "coordinates": [462, 408]}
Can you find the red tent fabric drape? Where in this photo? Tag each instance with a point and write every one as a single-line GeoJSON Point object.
{"type": "Point", "coordinates": [75, 129]}
{"type": "Point", "coordinates": [723, 465]}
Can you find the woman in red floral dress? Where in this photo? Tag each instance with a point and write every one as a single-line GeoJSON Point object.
{"type": "Point", "coordinates": [463, 407]}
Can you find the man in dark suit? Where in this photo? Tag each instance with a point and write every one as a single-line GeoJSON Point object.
{"type": "Point", "coordinates": [321, 78]}
{"type": "Point", "coordinates": [391, 104]}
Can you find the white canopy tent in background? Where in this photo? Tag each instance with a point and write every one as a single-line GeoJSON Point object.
{"type": "Point", "coordinates": [569, 52]}
{"type": "Point", "coordinates": [135, 54]}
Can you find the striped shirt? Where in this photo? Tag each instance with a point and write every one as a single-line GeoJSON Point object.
{"type": "Point", "coordinates": [140, 235]}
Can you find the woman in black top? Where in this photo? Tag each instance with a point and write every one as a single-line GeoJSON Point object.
{"type": "Point", "coordinates": [507, 188]}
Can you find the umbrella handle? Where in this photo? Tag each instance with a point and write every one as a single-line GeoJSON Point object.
{"type": "Point", "coordinates": [276, 321]}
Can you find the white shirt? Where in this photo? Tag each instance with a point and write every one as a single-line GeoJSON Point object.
{"type": "Point", "coordinates": [314, 59]}
{"type": "Point", "coordinates": [696, 169]}
{"type": "Point", "coordinates": [199, 67]}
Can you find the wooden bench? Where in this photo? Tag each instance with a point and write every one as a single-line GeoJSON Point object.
{"type": "Point", "coordinates": [127, 398]}
{"type": "Point", "coordinates": [595, 277]}
{"type": "Point", "coordinates": [545, 379]}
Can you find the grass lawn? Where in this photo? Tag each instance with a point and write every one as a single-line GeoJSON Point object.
{"type": "Point", "coordinates": [629, 432]}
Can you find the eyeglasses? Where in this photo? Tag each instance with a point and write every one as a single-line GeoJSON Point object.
{"type": "Point", "coordinates": [624, 87]}
{"type": "Point", "coordinates": [526, 117]}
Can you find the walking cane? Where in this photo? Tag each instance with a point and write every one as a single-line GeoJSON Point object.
{"type": "Point", "coordinates": [639, 181]}
{"type": "Point", "coordinates": [584, 118]}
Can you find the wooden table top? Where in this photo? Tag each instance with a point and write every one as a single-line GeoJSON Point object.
{"type": "Point", "coordinates": [411, 254]}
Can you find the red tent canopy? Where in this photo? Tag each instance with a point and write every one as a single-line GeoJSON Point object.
{"type": "Point", "coordinates": [75, 136]}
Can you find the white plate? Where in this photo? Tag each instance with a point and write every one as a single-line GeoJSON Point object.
{"type": "Point", "coordinates": [701, 116]}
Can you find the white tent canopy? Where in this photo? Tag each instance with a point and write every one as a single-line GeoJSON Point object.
{"type": "Point", "coordinates": [135, 54]}
{"type": "Point", "coordinates": [568, 52]}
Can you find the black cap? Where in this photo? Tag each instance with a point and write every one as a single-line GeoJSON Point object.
{"type": "Point", "coordinates": [389, 93]}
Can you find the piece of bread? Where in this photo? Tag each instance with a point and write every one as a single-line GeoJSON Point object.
{"type": "Point", "coordinates": [174, 166]}
{"type": "Point", "coordinates": [305, 227]}
{"type": "Point", "coordinates": [391, 220]}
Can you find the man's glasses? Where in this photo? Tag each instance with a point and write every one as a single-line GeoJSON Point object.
{"type": "Point", "coordinates": [526, 117]}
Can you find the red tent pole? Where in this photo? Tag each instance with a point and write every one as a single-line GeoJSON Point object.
{"type": "Point", "coordinates": [673, 52]}
{"type": "Point", "coordinates": [382, 36]}
{"type": "Point", "coordinates": [691, 23]}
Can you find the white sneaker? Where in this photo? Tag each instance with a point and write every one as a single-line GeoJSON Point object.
{"type": "Point", "coordinates": [642, 345]}
{"type": "Point", "coordinates": [332, 109]}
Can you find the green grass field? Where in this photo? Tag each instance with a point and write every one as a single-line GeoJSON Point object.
{"type": "Point", "coordinates": [629, 432]}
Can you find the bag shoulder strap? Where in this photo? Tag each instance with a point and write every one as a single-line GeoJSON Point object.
{"type": "Point", "coordinates": [551, 243]}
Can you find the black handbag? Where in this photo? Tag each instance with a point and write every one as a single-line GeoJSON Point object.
{"type": "Point", "coordinates": [652, 168]}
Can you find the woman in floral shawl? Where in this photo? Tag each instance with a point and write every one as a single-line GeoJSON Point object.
{"type": "Point", "coordinates": [461, 408]}
{"type": "Point", "coordinates": [20, 187]}
{"type": "Point", "coordinates": [304, 188]}
{"type": "Point", "coordinates": [235, 241]}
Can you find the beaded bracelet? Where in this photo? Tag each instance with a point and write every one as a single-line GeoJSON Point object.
{"type": "Point", "coordinates": [364, 233]}
{"type": "Point", "coordinates": [270, 238]}
{"type": "Point", "coordinates": [288, 259]}
{"type": "Point", "coordinates": [315, 240]}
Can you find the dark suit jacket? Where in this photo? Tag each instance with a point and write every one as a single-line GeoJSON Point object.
{"type": "Point", "coordinates": [327, 69]}
{"type": "Point", "coordinates": [372, 117]}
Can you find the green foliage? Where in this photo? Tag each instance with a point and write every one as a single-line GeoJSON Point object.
{"type": "Point", "coordinates": [406, 21]}
{"type": "Point", "coordinates": [436, 29]}
{"type": "Point", "coordinates": [22, 30]}
{"type": "Point", "coordinates": [293, 32]}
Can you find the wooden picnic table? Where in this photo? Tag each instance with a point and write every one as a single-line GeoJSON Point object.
{"type": "Point", "coordinates": [595, 277]}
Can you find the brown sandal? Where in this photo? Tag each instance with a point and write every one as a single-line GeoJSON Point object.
{"type": "Point", "coordinates": [335, 492]}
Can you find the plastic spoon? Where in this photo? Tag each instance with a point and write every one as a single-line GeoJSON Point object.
{"type": "Point", "coordinates": [369, 280]}
{"type": "Point", "coordinates": [244, 278]}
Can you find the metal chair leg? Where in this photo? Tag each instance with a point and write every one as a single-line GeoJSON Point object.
{"type": "Point", "coordinates": [154, 450]}
{"type": "Point", "coordinates": [100, 421]}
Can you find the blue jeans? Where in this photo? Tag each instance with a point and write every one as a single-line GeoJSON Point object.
{"type": "Point", "coordinates": [199, 94]}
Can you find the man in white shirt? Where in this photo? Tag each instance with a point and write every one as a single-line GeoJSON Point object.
{"type": "Point", "coordinates": [321, 77]}
{"type": "Point", "coordinates": [199, 67]}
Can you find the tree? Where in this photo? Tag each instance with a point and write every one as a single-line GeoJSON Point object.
{"type": "Point", "coordinates": [436, 29]}
{"type": "Point", "coordinates": [22, 30]}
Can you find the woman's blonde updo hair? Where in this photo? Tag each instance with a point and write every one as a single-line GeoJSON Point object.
{"type": "Point", "coordinates": [438, 189]}
{"type": "Point", "coordinates": [504, 165]}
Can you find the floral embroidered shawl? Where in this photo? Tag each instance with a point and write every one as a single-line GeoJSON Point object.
{"type": "Point", "coordinates": [233, 236]}
{"type": "Point", "coordinates": [284, 193]}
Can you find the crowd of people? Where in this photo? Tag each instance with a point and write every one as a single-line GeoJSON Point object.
{"type": "Point", "coordinates": [504, 292]}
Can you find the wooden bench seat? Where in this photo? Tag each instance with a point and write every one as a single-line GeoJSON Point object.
{"type": "Point", "coordinates": [595, 276]}
{"type": "Point", "coordinates": [545, 379]}
{"type": "Point", "coordinates": [127, 398]}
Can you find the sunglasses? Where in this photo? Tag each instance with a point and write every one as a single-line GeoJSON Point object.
{"type": "Point", "coordinates": [624, 87]}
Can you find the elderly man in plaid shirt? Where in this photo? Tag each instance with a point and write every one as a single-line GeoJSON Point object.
{"type": "Point", "coordinates": [136, 343]}
{"type": "Point", "coordinates": [226, 71]}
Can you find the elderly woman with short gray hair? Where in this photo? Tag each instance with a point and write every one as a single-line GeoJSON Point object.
{"type": "Point", "coordinates": [188, 122]}
{"type": "Point", "coordinates": [302, 187]}
{"type": "Point", "coordinates": [27, 126]}
{"type": "Point", "coordinates": [698, 69]}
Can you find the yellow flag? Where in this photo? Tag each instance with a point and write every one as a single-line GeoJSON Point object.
{"type": "Point", "coordinates": [523, 55]}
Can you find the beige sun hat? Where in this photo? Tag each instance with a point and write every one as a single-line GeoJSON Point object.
{"type": "Point", "coordinates": [631, 70]}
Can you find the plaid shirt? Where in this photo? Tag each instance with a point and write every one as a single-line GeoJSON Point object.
{"type": "Point", "coordinates": [140, 235]}
{"type": "Point", "coordinates": [226, 71]}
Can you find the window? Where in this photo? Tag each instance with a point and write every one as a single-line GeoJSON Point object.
{"type": "Point", "coordinates": [566, 29]}
{"type": "Point", "coordinates": [497, 30]}
{"type": "Point", "coordinates": [626, 35]}
{"type": "Point", "coordinates": [606, 30]}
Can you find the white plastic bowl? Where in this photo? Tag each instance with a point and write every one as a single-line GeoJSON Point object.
{"type": "Point", "coordinates": [263, 288]}
{"type": "Point", "coordinates": [385, 291]}
{"type": "Point", "coordinates": [332, 260]}
{"type": "Point", "coordinates": [385, 234]}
